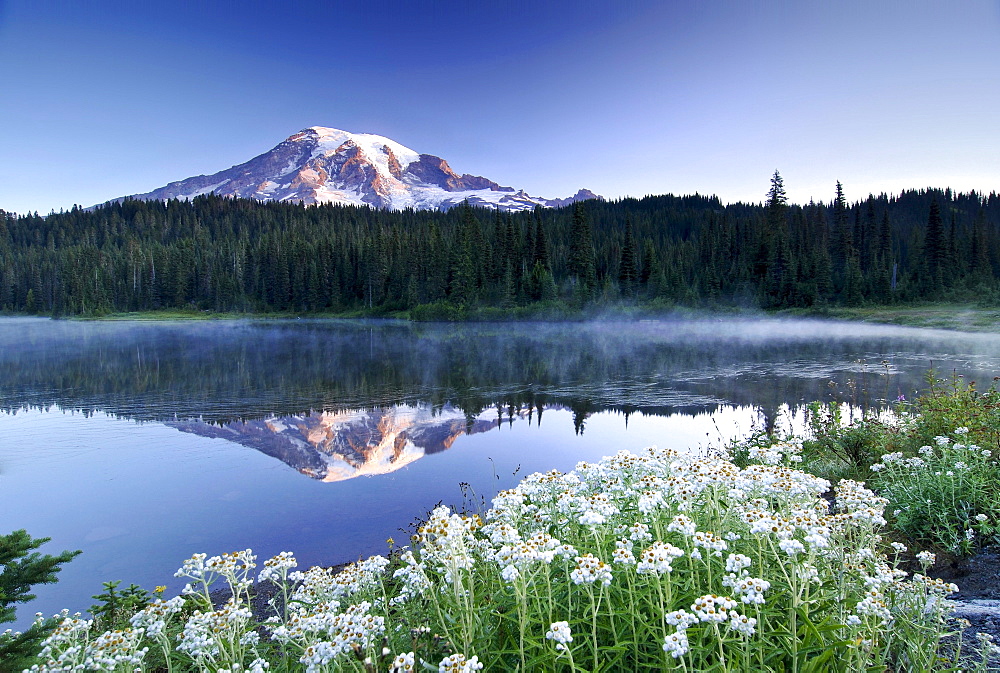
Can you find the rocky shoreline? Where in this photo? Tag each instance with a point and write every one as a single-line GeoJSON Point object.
{"type": "Point", "coordinates": [978, 597]}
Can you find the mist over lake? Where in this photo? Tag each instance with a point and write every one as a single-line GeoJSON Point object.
{"type": "Point", "coordinates": [144, 442]}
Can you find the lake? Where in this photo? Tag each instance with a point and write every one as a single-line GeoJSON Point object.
{"type": "Point", "coordinates": [144, 442]}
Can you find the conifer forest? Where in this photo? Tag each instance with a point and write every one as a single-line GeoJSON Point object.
{"type": "Point", "coordinates": [235, 255]}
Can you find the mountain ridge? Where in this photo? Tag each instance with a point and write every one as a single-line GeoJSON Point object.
{"type": "Point", "coordinates": [326, 165]}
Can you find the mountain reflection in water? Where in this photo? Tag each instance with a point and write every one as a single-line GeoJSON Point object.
{"type": "Point", "coordinates": [333, 446]}
{"type": "Point", "coordinates": [340, 399]}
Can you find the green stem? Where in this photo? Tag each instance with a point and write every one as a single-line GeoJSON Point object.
{"type": "Point", "coordinates": [722, 650]}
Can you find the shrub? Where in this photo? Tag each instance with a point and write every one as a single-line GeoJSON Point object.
{"type": "Point", "coordinates": [938, 466]}
{"type": "Point", "coordinates": [946, 496]}
{"type": "Point", "coordinates": [954, 404]}
{"type": "Point", "coordinates": [116, 607]}
{"type": "Point", "coordinates": [837, 449]}
{"type": "Point", "coordinates": [440, 311]}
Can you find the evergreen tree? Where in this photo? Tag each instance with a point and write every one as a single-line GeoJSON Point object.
{"type": "Point", "coordinates": [870, 237]}
{"type": "Point", "coordinates": [884, 251]}
{"type": "Point", "coordinates": [777, 200]}
{"type": "Point", "coordinates": [775, 243]}
{"type": "Point", "coordinates": [628, 266]}
{"type": "Point", "coordinates": [780, 274]}
{"type": "Point", "coordinates": [979, 251]}
{"type": "Point", "coordinates": [225, 253]}
{"type": "Point", "coordinates": [822, 263]}
{"type": "Point", "coordinates": [582, 262]}
{"type": "Point", "coordinates": [501, 254]}
{"type": "Point", "coordinates": [650, 263]}
{"type": "Point", "coordinates": [935, 251]}
{"type": "Point", "coordinates": [507, 293]}
{"type": "Point", "coordinates": [853, 282]}
{"type": "Point", "coordinates": [464, 290]}
{"type": "Point", "coordinates": [842, 233]}
{"type": "Point", "coordinates": [541, 244]}
{"type": "Point", "coordinates": [23, 568]}
{"type": "Point", "coordinates": [541, 285]}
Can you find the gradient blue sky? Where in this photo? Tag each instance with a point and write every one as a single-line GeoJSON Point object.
{"type": "Point", "coordinates": [105, 98]}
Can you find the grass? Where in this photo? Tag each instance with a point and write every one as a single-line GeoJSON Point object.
{"type": "Point", "coordinates": [943, 315]}
{"type": "Point", "coordinates": [952, 316]}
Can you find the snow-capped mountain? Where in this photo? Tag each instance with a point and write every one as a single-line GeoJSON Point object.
{"type": "Point", "coordinates": [324, 165]}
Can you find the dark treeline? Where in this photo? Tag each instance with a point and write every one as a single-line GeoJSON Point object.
{"type": "Point", "coordinates": [215, 253]}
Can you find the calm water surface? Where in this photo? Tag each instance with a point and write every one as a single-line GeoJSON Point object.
{"type": "Point", "coordinates": [142, 443]}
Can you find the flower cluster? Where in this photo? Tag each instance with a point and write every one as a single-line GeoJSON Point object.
{"type": "Point", "coordinates": [590, 569]}
{"type": "Point", "coordinates": [457, 663]}
{"type": "Point", "coordinates": [559, 632]}
{"type": "Point", "coordinates": [153, 618]}
{"type": "Point", "coordinates": [656, 559]}
{"type": "Point", "coordinates": [276, 568]}
{"type": "Point", "coordinates": [70, 648]}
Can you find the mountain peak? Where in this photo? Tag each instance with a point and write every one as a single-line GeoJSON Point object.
{"type": "Point", "coordinates": [320, 164]}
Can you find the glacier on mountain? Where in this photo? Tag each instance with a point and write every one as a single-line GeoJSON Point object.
{"type": "Point", "coordinates": [326, 165]}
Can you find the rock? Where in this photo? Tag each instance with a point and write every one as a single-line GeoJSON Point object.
{"type": "Point", "coordinates": [978, 609]}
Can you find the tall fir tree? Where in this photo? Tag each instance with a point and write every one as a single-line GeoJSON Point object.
{"type": "Point", "coordinates": [979, 259]}
{"type": "Point", "coordinates": [628, 266]}
{"type": "Point", "coordinates": [541, 241]}
{"type": "Point", "coordinates": [935, 252]}
{"type": "Point", "coordinates": [777, 199]}
{"type": "Point", "coordinates": [582, 256]}
{"type": "Point", "coordinates": [464, 290]}
{"type": "Point", "coordinates": [843, 234]}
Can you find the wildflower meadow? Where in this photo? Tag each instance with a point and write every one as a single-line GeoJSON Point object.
{"type": "Point", "coordinates": [658, 561]}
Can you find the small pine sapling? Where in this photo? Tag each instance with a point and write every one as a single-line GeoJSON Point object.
{"type": "Point", "coordinates": [22, 569]}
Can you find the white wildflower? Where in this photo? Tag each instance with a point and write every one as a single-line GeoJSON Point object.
{"type": "Point", "coordinates": [657, 558]}
{"type": "Point", "coordinates": [457, 663]}
{"type": "Point", "coordinates": [737, 562]}
{"type": "Point", "coordinates": [751, 590]}
{"type": "Point", "coordinates": [742, 624]}
{"type": "Point", "coordinates": [276, 568]}
{"type": "Point", "coordinates": [590, 569]}
{"type": "Point", "coordinates": [681, 619]}
{"type": "Point", "coordinates": [560, 633]}
{"type": "Point", "coordinates": [676, 644]}
{"type": "Point", "coordinates": [639, 532]}
{"type": "Point", "coordinates": [403, 663]}
{"type": "Point", "coordinates": [682, 524]}
{"type": "Point", "coordinates": [623, 553]}
{"type": "Point", "coordinates": [712, 608]}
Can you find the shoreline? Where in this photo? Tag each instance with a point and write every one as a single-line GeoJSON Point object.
{"type": "Point", "coordinates": [960, 317]}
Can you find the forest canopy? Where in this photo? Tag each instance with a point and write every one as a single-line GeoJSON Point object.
{"type": "Point", "coordinates": [222, 254]}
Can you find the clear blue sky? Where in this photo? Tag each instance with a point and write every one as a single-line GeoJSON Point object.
{"type": "Point", "coordinates": [106, 98]}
